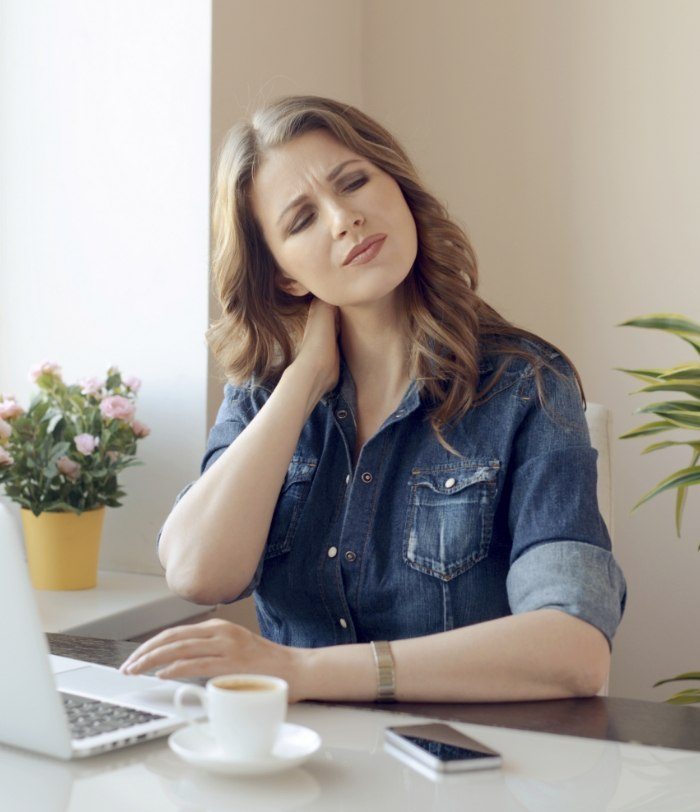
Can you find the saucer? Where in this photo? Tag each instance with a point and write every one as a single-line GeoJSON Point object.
{"type": "Point", "coordinates": [196, 745]}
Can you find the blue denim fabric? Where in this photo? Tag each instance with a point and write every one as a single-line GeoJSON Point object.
{"type": "Point", "coordinates": [426, 541]}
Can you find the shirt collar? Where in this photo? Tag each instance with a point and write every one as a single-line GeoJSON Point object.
{"type": "Point", "coordinates": [345, 387]}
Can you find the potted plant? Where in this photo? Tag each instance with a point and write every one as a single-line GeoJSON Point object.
{"type": "Point", "coordinates": [59, 460]}
{"type": "Point", "coordinates": [673, 414]}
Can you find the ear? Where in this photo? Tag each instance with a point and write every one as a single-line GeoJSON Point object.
{"type": "Point", "coordinates": [290, 286]}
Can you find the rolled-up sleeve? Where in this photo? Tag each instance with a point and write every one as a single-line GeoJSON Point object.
{"type": "Point", "coordinates": [561, 555]}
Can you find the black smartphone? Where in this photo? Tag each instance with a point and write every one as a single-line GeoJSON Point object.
{"type": "Point", "coordinates": [441, 747]}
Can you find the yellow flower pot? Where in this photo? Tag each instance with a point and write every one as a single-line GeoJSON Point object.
{"type": "Point", "coordinates": [62, 548]}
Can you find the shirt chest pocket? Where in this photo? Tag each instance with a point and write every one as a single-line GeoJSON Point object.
{"type": "Point", "coordinates": [290, 504]}
{"type": "Point", "coordinates": [450, 517]}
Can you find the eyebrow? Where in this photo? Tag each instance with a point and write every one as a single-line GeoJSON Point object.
{"type": "Point", "coordinates": [331, 177]}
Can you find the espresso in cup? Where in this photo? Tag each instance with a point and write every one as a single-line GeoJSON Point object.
{"type": "Point", "coordinates": [242, 685]}
{"type": "Point", "coordinates": [246, 711]}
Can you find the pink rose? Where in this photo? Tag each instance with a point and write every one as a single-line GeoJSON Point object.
{"type": "Point", "coordinates": [44, 368]}
{"type": "Point", "coordinates": [9, 409]}
{"type": "Point", "coordinates": [91, 386]}
{"type": "Point", "coordinates": [5, 458]}
{"type": "Point", "coordinates": [5, 429]}
{"type": "Point", "coordinates": [133, 383]}
{"type": "Point", "coordinates": [117, 407]}
{"type": "Point", "coordinates": [68, 468]}
{"type": "Point", "coordinates": [86, 443]}
{"type": "Point", "coordinates": [140, 429]}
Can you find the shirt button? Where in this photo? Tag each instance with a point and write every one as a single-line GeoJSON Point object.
{"type": "Point", "coordinates": [343, 622]}
{"type": "Point", "coordinates": [449, 482]}
{"type": "Point", "coordinates": [347, 479]}
{"type": "Point", "coordinates": [366, 477]}
{"type": "Point", "coordinates": [332, 552]}
{"type": "Point", "coordinates": [350, 556]}
{"type": "Point", "coordinates": [341, 413]}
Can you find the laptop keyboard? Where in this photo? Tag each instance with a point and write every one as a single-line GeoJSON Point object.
{"type": "Point", "coordinates": [90, 717]}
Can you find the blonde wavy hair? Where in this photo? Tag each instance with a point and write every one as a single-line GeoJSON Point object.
{"type": "Point", "coordinates": [450, 327]}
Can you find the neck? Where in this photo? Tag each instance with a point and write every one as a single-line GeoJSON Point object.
{"type": "Point", "coordinates": [375, 347]}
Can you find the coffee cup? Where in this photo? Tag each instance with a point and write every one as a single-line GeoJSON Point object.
{"type": "Point", "coordinates": [246, 711]}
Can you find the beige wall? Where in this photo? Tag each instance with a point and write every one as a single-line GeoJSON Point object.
{"type": "Point", "coordinates": [563, 135]}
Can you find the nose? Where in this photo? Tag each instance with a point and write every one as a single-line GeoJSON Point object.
{"type": "Point", "coordinates": [346, 219]}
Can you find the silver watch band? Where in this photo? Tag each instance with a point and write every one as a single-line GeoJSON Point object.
{"type": "Point", "coordinates": [386, 680]}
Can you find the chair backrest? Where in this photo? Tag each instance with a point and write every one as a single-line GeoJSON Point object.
{"type": "Point", "coordinates": [599, 421]}
{"type": "Point", "coordinates": [600, 428]}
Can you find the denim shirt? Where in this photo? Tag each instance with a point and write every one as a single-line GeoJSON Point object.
{"type": "Point", "coordinates": [414, 540]}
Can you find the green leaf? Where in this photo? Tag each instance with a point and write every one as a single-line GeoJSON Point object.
{"type": "Point", "coordinates": [673, 323]}
{"type": "Point", "coordinates": [643, 374]}
{"type": "Point", "coordinates": [682, 478]}
{"type": "Point", "coordinates": [685, 697]}
{"type": "Point", "coordinates": [683, 372]}
{"type": "Point", "coordinates": [669, 406]}
{"type": "Point", "coordinates": [682, 493]}
{"type": "Point", "coordinates": [684, 420]}
{"type": "Point", "coordinates": [670, 322]}
{"type": "Point", "coordinates": [689, 675]}
{"type": "Point", "coordinates": [691, 387]}
{"type": "Point", "coordinates": [668, 443]}
{"type": "Point", "coordinates": [648, 428]}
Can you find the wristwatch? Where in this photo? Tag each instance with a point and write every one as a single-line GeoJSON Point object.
{"type": "Point", "coordinates": [386, 680]}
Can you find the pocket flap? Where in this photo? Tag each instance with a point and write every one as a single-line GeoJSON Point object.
{"type": "Point", "coordinates": [299, 471]}
{"type": "Point", "coordinates": [452, 479]}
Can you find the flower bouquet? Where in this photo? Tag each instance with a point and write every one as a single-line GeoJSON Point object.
{"type": "Point", "coordinates": [62, 456]}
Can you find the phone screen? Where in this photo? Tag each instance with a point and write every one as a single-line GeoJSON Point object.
{"type": "Point", "coordinates": [442, 747]}
{"type": "Point", "coordinates": [446, 752]}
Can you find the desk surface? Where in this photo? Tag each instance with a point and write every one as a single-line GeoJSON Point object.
{"type": "Point", "coordinates": [541, 772]}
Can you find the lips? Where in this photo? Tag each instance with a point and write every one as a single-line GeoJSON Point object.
{"type": "Point", "coordinates": [363, 246]}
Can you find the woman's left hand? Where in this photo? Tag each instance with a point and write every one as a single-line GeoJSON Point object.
{"type": "Point", "coordinates": [216, 647]}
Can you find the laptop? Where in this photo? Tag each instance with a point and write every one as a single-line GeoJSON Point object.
{"type": "Point", "coordinates": [59, 706]}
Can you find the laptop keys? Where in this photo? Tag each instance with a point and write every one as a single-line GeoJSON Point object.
{"type": "Point", "coordinates": [90, 717]}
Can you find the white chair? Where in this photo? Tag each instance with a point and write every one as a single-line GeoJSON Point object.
{"type": "Point", "coordinates": [599, 420]}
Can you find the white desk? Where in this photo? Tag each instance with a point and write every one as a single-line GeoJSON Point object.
{"type": "Point", "coordinates": [123, 605]}
{"type": "Point", "coordinates": [542, 773]}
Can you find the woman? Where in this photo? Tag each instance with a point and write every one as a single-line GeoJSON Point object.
{"type": "Point", "coordinates": [393, 460]}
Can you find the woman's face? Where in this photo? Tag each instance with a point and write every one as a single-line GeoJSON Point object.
{"type": "Point", "coordinates": [311, 238]}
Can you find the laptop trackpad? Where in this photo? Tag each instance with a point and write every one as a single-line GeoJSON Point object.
{"type": "Point", "coordinates": [148, 693]}
{"type": "Point", "coordinates": [103, 683]}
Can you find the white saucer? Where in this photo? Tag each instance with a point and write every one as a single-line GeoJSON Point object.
{"type": "Point", "coordinates": [197, 746]}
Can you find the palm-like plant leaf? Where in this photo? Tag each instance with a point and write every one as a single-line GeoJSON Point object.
{"type": "Point", "coordinates": [670, 406]}
{"type": "Point", "coordinates": [669, 443]}
{"type": "Point", "coordinates": [649, 428]}
{"type": "Point", "coordinates": [689, 675]}
{"type": "Point", "coordinates": [684, 419]}
{"type": "Point", "coordinates": [689, 387]}
{"type": "Point", "coordinates": [643, 374]}
{"type": "Point", "coordinates": [673, 323]}
{"type": "Point", "coordinates": [680, 479]}
{"type": "Point", "coordinates": [681, 495]}
{"type": "Point", "coordinates": [689, 697]}
{"type": "Point", "coordinates": [683, 372]}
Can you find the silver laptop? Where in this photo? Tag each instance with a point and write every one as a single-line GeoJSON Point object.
{"type": "Point", "coordinates": [59, 706]}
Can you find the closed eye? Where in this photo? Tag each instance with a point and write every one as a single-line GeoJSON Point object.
{"type": "Point", "coordinates": [351, 187]}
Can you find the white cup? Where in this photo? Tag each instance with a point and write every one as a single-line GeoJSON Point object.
{"type": "Point", "coordinates": [246, 711]}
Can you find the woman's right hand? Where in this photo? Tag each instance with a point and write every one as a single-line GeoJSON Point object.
{"type": "Point", "coordinates": [318, 352]}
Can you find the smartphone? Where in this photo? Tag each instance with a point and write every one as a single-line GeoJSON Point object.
{"type": "Point", "coordinates": [442, 748]}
